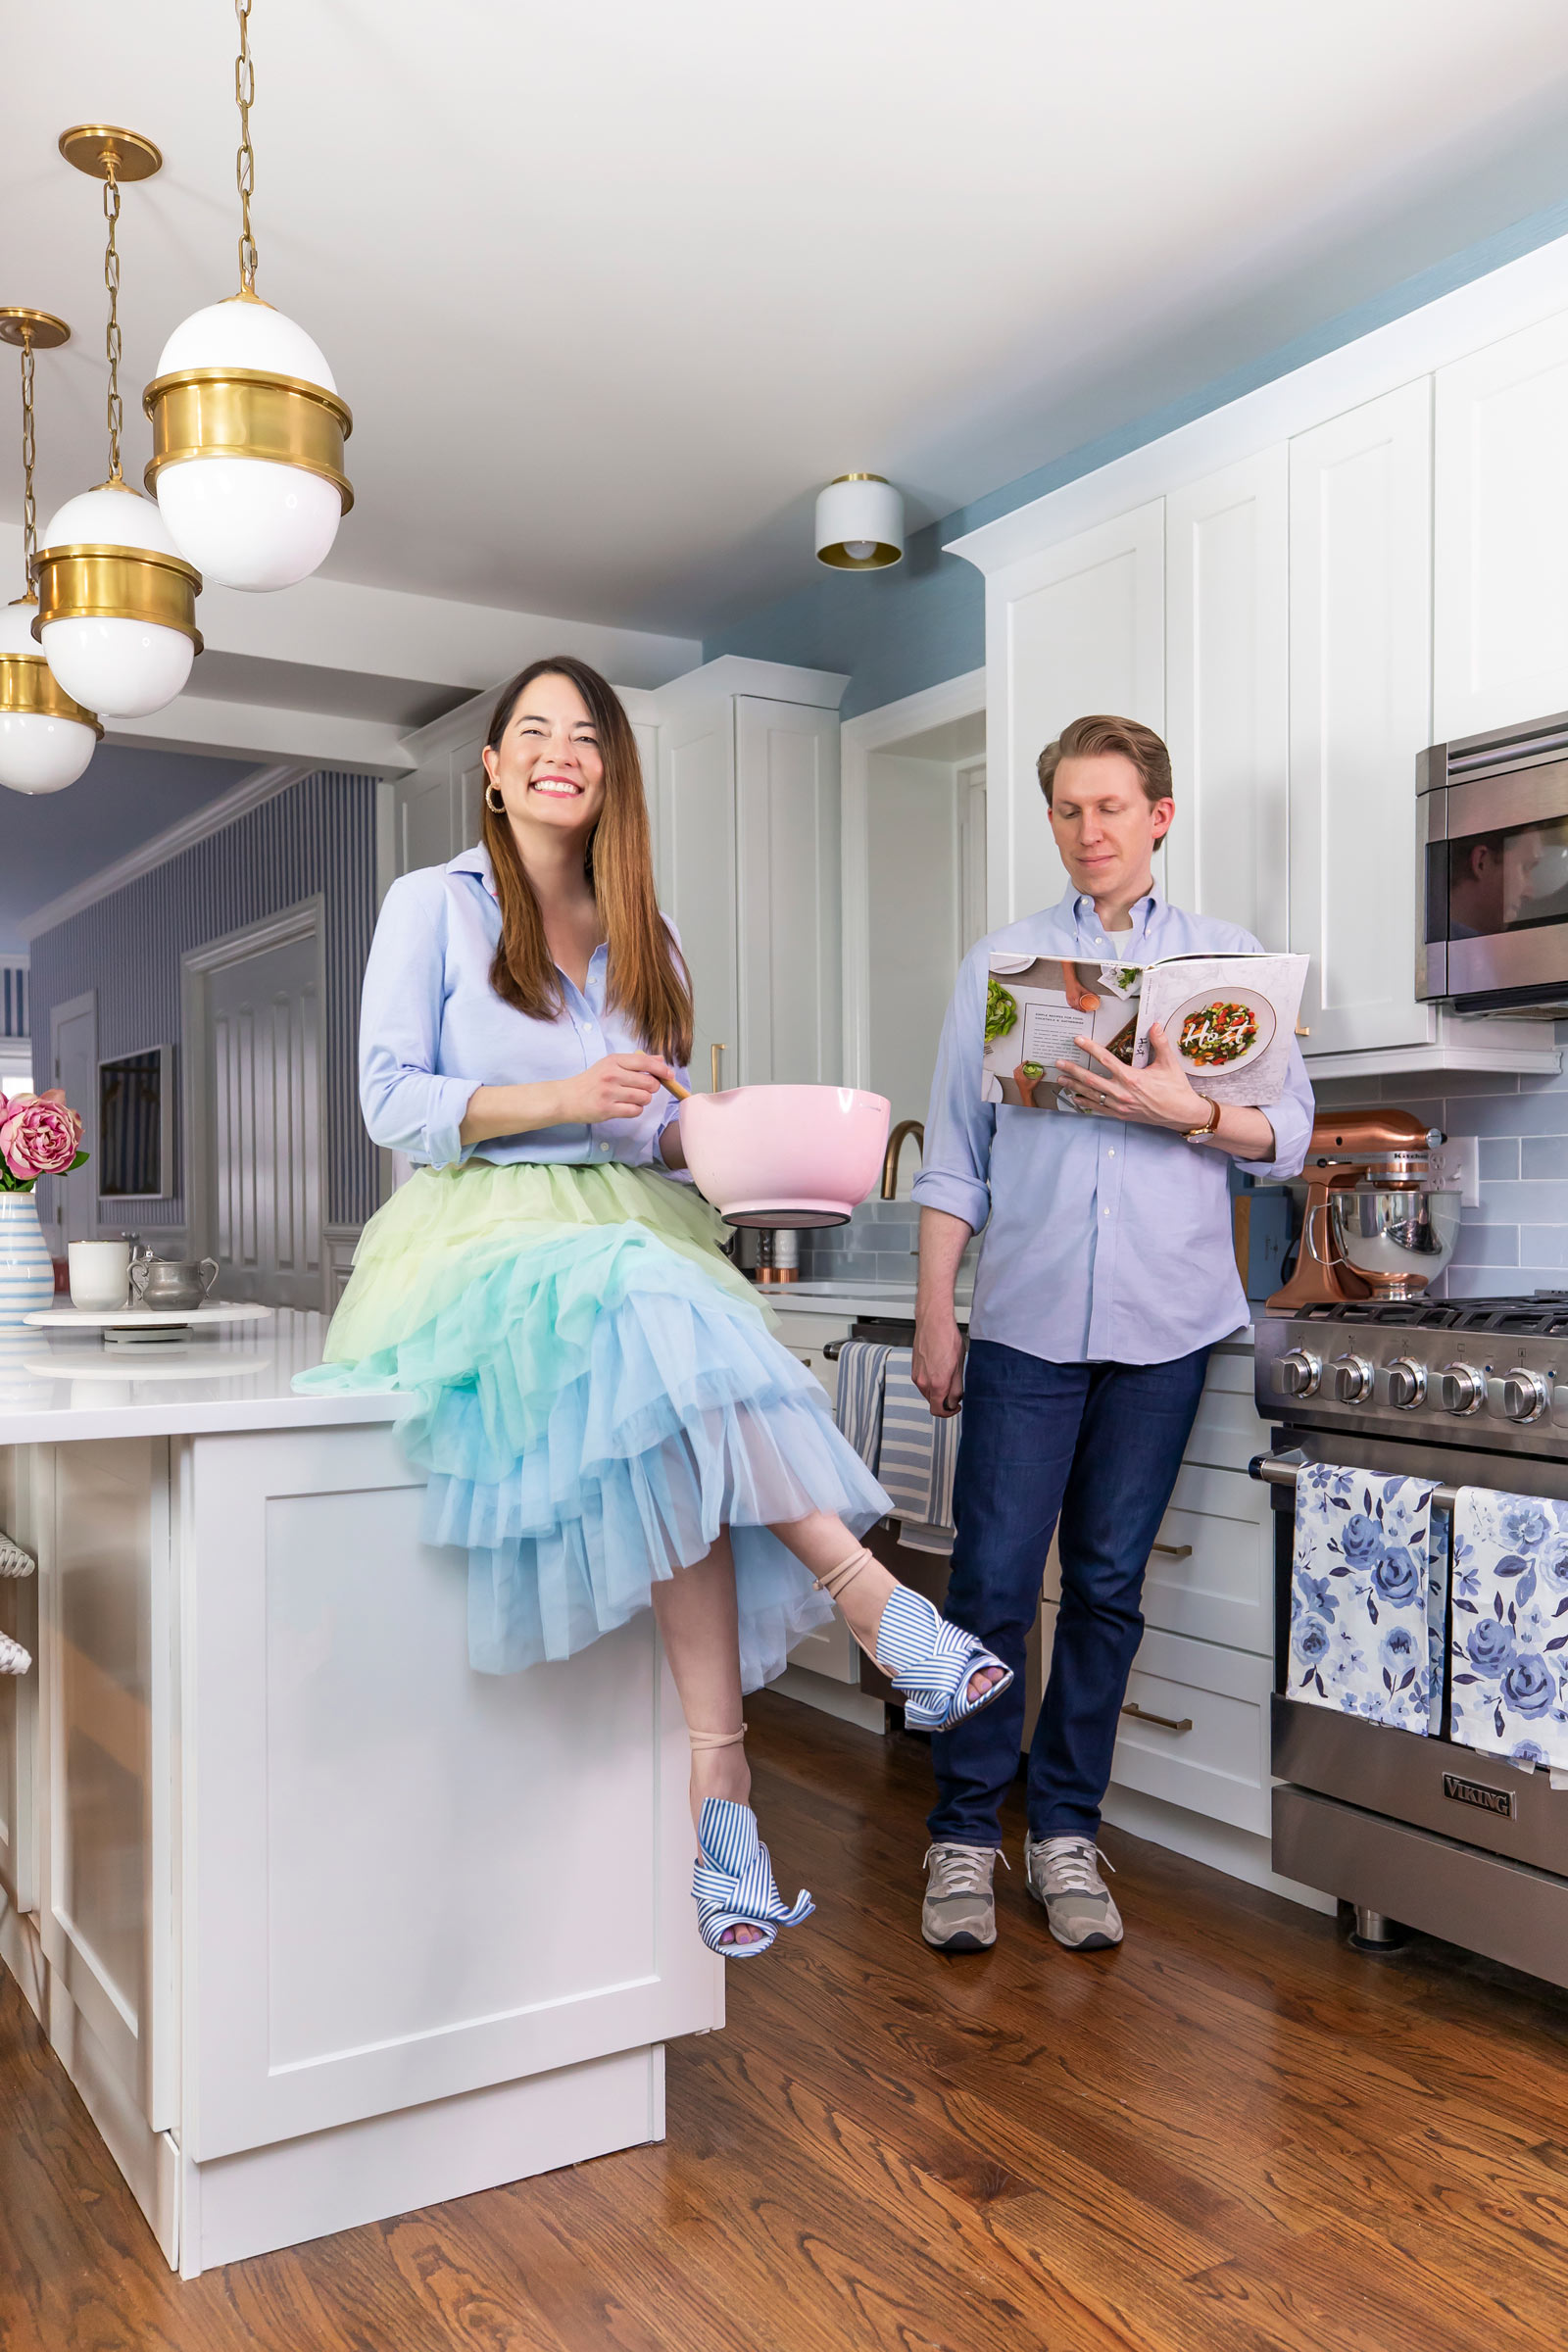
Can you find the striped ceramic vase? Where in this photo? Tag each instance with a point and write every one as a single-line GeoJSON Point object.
{"type": "Point", "coordinates": [26, 1270]}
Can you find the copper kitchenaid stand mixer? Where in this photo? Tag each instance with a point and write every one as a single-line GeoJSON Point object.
{"type": "Point", "coordinates": [1346, 1148]}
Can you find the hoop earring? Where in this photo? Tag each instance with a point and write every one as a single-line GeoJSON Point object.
{"type": "Point", "coordinates": [498, 806]}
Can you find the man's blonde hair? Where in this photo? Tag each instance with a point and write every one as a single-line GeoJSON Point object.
{"type": "Point", "coordinates": [1087, 737]}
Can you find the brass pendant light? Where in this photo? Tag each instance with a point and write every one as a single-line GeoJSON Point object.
{"type": "Point", "coordinates": [46, 738]}
{"type": "Point", "coordinates": [248, 428]}
{"type": "Point", "coordinates": [116, 600]}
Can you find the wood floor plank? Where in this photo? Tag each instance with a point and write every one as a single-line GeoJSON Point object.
{"type": "Point", "coordinates": [1233, 2134]}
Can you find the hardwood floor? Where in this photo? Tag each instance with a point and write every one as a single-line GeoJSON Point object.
{"type": "Point", "coordinates": [1232, 2133]}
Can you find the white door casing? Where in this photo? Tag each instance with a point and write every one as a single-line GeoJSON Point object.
{"type": "Point", "coordinates": [1227, 694]}
{"type": "Point", "coordinates": [1080, 627]}
{"type": "Point", "coordinates": [256, 1163]}
{"type": "Point", "coordinates": [73, 1067]}
{"type": "Point", "coordinates": [1500, 581]}
{"type": "Point", "coordinates": [1360, 711]}
{"type": "Point", "coordinates": [698, 877]}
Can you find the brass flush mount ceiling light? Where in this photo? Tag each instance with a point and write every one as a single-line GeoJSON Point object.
{"type": "Point", "coordinates": [248, 428]}
{"type": "Point", "coordinates": [860, 524]}
{"type": "Point", "coordinates": [116, 600]}
{"type": "Point", "coordinates": [46, 738]}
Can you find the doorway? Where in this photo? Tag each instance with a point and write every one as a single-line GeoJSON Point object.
{"type": "Point", "coordinates": [915, 883]}
{"type": "Point", "coordinates": [74, 1064]}
{"type": "Point", "coordinates": [255, 1164]}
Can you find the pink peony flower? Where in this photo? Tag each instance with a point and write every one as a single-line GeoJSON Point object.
{"type": "Point", "coordinates": [39, 1135]}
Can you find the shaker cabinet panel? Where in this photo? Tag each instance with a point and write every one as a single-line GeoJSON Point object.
{"type": "Point", "coordinates": [698, 877]}
{"type": "Point", "coordinates": [1227, 693]}
{"type": "Point", "coordinates": [787, 860]}
{"type": "Point", "coordinates": [1501, 583]}
{"type": "Point", "coordinates": [1079, 627]}
{"type": "Point", "coordinates": [1360, 710]}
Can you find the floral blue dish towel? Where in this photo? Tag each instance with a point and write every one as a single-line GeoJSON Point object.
{"type": "Point", "coordinates": [1510, 1625]}
{"type": "Point", "coordinates": [1368, 1591]}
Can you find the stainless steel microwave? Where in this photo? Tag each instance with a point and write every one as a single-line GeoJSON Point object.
{"type": "Point", "coordinates": [1492, 867]}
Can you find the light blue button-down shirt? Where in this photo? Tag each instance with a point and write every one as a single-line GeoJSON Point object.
{"type": "Point", "coordinates": [433, 1029]}
{"type": "Point", "coordinates": [1104, 1243]}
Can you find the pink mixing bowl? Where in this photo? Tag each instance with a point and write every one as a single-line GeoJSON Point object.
{"type": "Point", "coordinates": [785, 1154]}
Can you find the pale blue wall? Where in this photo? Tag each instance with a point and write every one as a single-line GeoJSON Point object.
{"type": "Point", "coordinates": [923, 621]}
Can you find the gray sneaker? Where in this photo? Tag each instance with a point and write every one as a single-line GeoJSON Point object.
{"type": "Point", "coordinates": [960, 1912]}
{"type": "Point", "coordinates": [1062, 1874]}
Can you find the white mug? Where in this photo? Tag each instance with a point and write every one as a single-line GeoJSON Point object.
{"type": "Point", "coordinates": [100, 1275]}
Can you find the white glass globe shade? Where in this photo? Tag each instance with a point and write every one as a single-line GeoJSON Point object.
{"type": "Point", "coordinates": [39, 754]}
{"type": "Point", "coordinates": [245, 522]}
{"type": "Point", "coordinates": [248, 523]}
{"type": "Point", "coordinates": [112, 516]}
{"type": "Point", "coordinates": [120, 668]}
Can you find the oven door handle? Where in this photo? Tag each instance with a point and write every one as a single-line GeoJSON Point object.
{"type": "Point", "coordinates": [1280, 1469]}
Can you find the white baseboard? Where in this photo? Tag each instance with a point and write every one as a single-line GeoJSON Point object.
{"type": "Point", "coordinates": [1239, 1853]}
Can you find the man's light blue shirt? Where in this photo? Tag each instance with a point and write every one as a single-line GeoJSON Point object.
{"type": "Point", "coordinates": [1104, 1242]}
{"type": "Point", "coordinates": [433, 1029]}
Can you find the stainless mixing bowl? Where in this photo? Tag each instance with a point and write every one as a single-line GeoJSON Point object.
{"type": "Point", "coordinates": [1399, 1238]}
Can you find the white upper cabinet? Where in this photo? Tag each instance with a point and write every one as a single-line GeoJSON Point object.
{"type": "Point", "coordinates": [696, 870]}
{"type": "Point", "coordinates": [1501, 583]}
{"type": "Point", "coordinates": [1227, 693]}
{"type": "Point", "coordinates": [1079, 627]}
{"type": "Point", "coordinates": [787, 851]}
{"type": "Point", "coordinates": [1360, 710]}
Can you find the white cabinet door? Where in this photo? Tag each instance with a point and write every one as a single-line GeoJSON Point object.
{"type": "Point", "coordinates": [1501, 569]}
{"type": "Point", "coordinates": [1078, 628]}
{"type": "Point", "coordinates": [697, 886]}
{"type": "Point", "coordinates": [1227, 693]}
{"type": "Point", "coordinates": [787, 860]}
{"type": "Point", "coordinates": [1360, 710]}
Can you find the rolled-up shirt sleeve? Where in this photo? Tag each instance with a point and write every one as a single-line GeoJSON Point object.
{"type": "Point", "coordinates": [1291, 1117]}
{"type": "Point", "coordinates": [408, 1105]}
{"type": "Point", "coordinates": [955, 1156]}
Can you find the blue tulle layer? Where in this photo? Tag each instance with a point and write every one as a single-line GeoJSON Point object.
{"type": "Point", "coordinates": [590, 1411]}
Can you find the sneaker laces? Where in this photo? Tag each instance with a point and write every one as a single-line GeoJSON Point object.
{"type": "Point", "coordinates": [963, 1869]}
{"type": "Point", "coordinates": [1070, 1866]}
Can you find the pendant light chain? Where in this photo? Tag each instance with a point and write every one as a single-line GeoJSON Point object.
{"type": "Point", "coordinates": [30, 504]}
{"type": "Point", "coordinates": [245, 161]}
{"type": "Point", "coordinates": [117, 415]}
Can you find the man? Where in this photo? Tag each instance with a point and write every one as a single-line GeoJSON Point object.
{"type": "Point", "coordinates": [1106, 1274]}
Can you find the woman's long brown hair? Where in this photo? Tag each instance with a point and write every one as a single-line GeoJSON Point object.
{"type": "Point", "coordinates": [648, 981]}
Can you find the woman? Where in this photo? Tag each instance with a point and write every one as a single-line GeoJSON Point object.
{"type": "Point", "coordinates": [605, 1417]}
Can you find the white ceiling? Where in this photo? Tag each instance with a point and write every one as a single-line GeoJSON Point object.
{"type": "Point", "coordinates": [613, 289]}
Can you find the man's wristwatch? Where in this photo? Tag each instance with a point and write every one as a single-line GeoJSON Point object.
{"type": "Point", "coordinates": [1195, 1135]}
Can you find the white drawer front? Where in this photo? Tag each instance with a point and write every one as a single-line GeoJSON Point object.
{"type": "Point", "coordinates": [1214, 1577]}
{"type": "Point", "coordinates": [1218, 1766]}
{"type": "Point", "coordinates": [1227, 1431]}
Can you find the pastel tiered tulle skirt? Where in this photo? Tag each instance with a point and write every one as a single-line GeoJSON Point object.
{"type": "Point", "coordinates": [594, 1392]}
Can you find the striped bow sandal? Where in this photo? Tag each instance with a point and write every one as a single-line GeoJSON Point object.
{"type": "Point", "coordinates": [930, 1662]}
{"type": "Point", "coordinates": [733, 1883]}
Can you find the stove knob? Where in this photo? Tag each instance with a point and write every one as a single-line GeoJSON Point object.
{"type": "Point", "coordinates": [1352, 1379]}
{"type": "Point", "coordinates": [1461, 1388]}
{"type": "Point", "coordinates": [1524, 1395]}
{"type": "Point", "coordinates": [1296, 1374]}
{"type": "Point", "coordinates": [1407, 1383]}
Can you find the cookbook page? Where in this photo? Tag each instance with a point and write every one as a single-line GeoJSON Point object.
{"type": "Point", "coordinates": [1035, 1009]}
{"type": "Point", "coordinates": [1231, 1019]}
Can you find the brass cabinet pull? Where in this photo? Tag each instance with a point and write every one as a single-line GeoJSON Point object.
{"type": "Point", "coordinates": [715, 1056]}
{"type": "Point", "coordinates": [1166, 1723]}
{"type": "Point", "coordinates": [1174, 1551]}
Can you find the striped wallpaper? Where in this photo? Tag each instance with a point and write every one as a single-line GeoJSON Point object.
{"type": "Point", "coordinates": [13, 996]}
{"type": "Point", "coordinates": [317, 836]}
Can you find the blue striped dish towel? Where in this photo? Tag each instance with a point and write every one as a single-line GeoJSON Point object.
{"type": "Point", "coordinates": [1509, 1645]}
{"type": "Point", "coordinates": [892, 1428]}
{"type": "Point", "coordinates": [857, 1405]}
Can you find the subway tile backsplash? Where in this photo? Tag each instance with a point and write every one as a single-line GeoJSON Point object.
{"type": "Point", "coordinates": [1517, 1240]}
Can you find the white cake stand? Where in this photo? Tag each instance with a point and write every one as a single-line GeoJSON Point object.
{"type": "Point", "coordinates": [147, 1326]}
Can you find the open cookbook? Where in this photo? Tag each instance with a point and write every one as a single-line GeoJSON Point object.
{"type": "Point", "coordinates": [1230, 1018]}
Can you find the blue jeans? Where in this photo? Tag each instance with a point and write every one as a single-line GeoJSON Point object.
{"type": "Point", "coordinates": [1098, 1444]}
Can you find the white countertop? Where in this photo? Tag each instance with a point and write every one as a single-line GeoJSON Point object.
{"type": "Point", "coordinates": [54, 1389]}
{"type": "Point", "coordinates": [893, 1299]}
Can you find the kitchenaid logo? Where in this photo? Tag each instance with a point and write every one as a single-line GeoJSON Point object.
{"type": "Point", "coordinates": [1476, 1792]}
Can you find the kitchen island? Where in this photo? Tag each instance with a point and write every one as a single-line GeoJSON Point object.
{"type": "Point", "coordinates": [323, 1925]}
